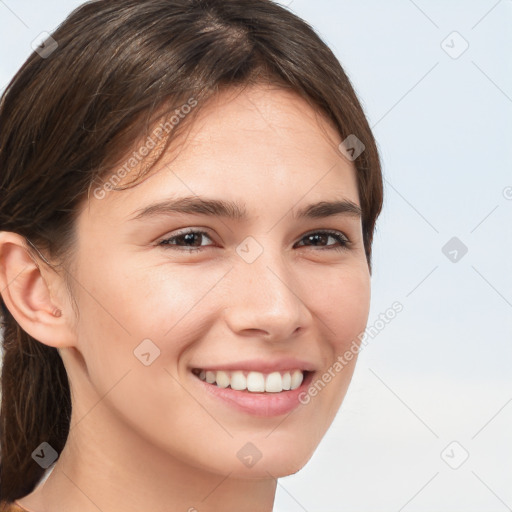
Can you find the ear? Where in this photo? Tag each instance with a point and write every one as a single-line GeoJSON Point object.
{"type": "Point", "coordinates": [33, 293]}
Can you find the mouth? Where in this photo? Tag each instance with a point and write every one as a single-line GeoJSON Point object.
{"type": "Point", "coordinates": [252, 381]}
{"type": "Point", "coordinates": [256, 387]}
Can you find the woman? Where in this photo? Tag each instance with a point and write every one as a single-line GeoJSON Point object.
{"type": "Point", "coordinates": [189, 190]}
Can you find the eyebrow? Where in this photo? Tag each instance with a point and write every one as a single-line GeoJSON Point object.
{"type": "Point", "coordinates": [233, 210]}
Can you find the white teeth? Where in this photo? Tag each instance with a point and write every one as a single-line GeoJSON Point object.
{"type": "Point", "coordinates": [238, 381]}
{"type": "Point", "coordinates": [222, 379]}
{"type": "Point", "coordinates": [296, 379]}
{"type": "Point", "coordinates": [255, 382]}
{"type": "Point", "coordinates": [274, 383]}
{"type": "Point", "coordinates": [287, 381]}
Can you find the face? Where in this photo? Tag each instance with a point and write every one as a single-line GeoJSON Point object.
{"type": "Point", "coordinates": [175, 294]}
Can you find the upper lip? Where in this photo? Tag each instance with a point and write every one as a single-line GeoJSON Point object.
{"type": "Point", "coordinates": [261, 365]}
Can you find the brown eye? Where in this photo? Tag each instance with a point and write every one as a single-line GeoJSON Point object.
{"type": "Point", "coordinates": [187, 239]}
{"type": "Point", "coordinates": [317, 238]}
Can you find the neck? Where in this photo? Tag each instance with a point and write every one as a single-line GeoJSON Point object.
{"type": "Point", "coordinates": [105, 465]}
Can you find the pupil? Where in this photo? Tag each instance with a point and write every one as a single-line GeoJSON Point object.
{"type": "Point", "coordinates": [189, 237]}
{"type": "Point", "coordinates": [315, 238]}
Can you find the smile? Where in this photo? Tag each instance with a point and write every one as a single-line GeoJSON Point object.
{"type": "Point", "coordinates": [252, 381]}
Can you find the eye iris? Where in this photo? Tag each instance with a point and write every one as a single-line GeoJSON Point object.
{"type": "Point", "coordinates": [316, 237]}
{"type": "Point", "coordinates": [189, 237]}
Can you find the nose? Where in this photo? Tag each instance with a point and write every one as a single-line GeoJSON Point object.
{"type": "Point", "coordinates": [265, 299]}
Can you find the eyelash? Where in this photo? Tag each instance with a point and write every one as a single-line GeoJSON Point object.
{"type": "Point", "coordinates": [340, 237]}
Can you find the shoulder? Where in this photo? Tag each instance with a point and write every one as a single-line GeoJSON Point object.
{"type": "Point", "coordinates": [10, 507]}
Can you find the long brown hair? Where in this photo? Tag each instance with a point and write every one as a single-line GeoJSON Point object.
{"type": "Point", "coordinates": [76, 106]}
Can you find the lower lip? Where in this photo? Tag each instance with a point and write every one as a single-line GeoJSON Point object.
{"type": "Point", "coordinates": [259, 404]}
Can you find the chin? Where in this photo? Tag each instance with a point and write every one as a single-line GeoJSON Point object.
{"type": "Point", "coordinates": [276, 464]}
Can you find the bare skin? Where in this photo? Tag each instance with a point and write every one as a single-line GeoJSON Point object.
{"type": "Point", "coordinates": [149, 437]}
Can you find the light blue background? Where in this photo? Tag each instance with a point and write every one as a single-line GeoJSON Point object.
{"type": "Point", "coordinates": [440, 371]}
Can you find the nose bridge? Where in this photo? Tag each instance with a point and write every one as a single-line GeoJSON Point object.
{"type": "Point", "coordinates": [261, 292]}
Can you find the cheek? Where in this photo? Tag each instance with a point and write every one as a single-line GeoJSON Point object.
{"type": "Point", "coordinates": [120, 307]}
{"type": "Point", "coordinates": [172, 305]}
{"type": "Point", "coordinates": [344, 306]}
{"type": "Point", "coordinates": [343, 310]}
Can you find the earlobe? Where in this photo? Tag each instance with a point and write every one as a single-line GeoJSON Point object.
{"type": "Point", "coordinates": [26, 290]}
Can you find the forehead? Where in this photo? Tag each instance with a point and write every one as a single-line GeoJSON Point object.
{"type": "Point", "coordinates": [258, 142]}
{"type": "Point", "coordinates": [260, 114]}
